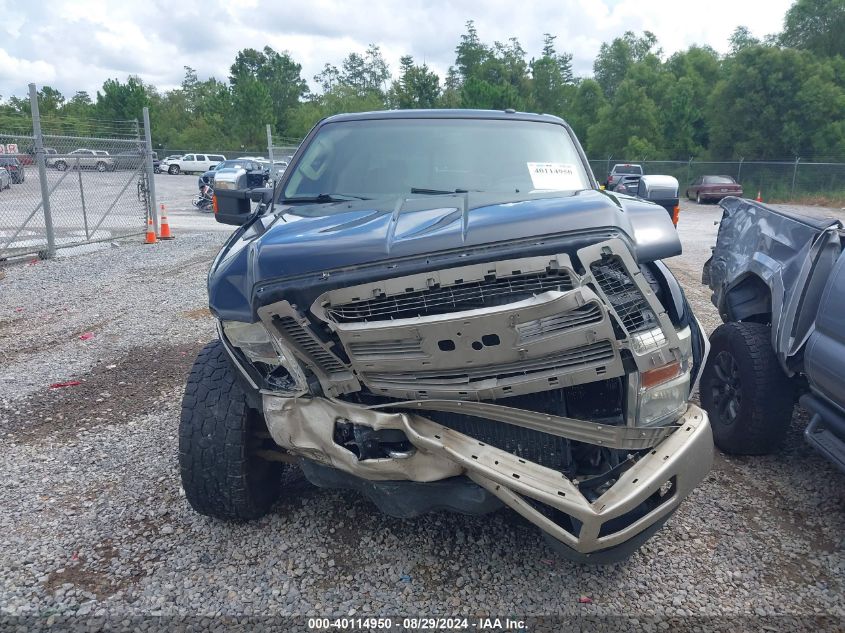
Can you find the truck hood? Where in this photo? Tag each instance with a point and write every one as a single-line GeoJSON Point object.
{"type": "Point", "coordinates": [310, 242]}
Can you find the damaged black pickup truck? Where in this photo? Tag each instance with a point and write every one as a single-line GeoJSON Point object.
{"type": "Point", "coordinates": [442, 311]}
{"type": "Point", "coordinates": [778, 281]}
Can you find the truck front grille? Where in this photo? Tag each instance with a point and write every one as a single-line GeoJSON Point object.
{"type": "Point", "coordinates": [308, 344]}
{"type": "Point", "coordinates": [583, 356]}
{"type": "Point", "coordinates": [454, 298]}
{"type": "Point", "coordinates": [399, 348]}
{"type": "Point", "coordinates": [547, 326]}
{"type": "Point", "coordinates": [624, 296]}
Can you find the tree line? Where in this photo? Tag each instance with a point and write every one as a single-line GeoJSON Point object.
{"type": "Point", "coordinates": [779, 97]}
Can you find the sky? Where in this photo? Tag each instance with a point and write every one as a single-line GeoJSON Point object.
{"type": "Point", "coordinates": [77, 45]}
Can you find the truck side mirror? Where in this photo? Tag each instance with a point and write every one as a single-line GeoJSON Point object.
{"type": "Point", "coordinates": [232, 206]}
{"type": "Point", "coordinates": [262, 195]}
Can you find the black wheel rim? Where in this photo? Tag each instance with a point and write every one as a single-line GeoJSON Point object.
{"type": "Point", "coordinates": [726, 390]}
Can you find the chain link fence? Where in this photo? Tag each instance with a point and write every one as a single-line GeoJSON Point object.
{"type": "Point", "coordinates": [280, 151]}
{"type": "Point", "coordinates": [67, 190]}
{"type": "Point", "coordinates": [776, 180]}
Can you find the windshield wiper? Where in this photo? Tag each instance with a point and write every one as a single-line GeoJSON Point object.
{"type": "Point", "coordinates": [326, 197]}
{"type": "Point", "coordinates": [440, 192]}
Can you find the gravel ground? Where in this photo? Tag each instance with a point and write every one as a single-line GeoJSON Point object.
{"type": "Point", "coordinates": [94, 522]}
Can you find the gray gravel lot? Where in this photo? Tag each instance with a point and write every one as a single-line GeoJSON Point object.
{"type": "Point", "coordinates": [93, 520]}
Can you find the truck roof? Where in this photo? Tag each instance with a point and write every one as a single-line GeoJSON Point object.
{"type": "Point", "coordinates": [508, 115]}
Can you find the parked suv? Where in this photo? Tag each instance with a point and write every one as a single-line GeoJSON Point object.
{"type": "Point", "coordinates": [192, 163]}
{"type": "Point", "coordinates": [13, 165]}
{"type": "Point", "coordinates": [82, 158]}
{"type": "Point", "coordinates": [778, 281]}
{"type": "Point", "coordinates": [412, 316]}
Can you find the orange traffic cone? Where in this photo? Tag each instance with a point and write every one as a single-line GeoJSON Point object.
{"type": "Point", "coordinates": [759, 197]}
{"type": "Point", "coordinates": [165, 233]}
{"type": "Point", "coordinates": [151, 234]}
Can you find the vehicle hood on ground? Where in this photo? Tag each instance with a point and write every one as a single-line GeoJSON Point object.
{"type": "Point", "coordinates": [344, 242]}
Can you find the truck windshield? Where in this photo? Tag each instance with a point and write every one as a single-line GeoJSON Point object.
{"type": "Point", "coordinates": [418, 157]}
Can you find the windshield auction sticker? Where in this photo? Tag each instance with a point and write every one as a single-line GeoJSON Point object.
{"type": "Point", "coordinates": [554, 176]}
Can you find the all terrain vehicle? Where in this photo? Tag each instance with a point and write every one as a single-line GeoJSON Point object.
{"type": "Point", "coordinates": [409, 315]}
{"type": "Point", "coordinates": [778, 281]}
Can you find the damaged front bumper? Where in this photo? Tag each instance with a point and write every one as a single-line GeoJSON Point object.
{"type": "Point", "coordinates": [643, 495]}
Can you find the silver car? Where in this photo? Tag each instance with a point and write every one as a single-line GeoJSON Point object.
{"type": "Point", "coordinates": [83, 159]}
{"type": "Point", "coordinates": [5, 179]}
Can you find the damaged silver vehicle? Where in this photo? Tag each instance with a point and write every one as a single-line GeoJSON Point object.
{"type": "Point", "coordinates": [442, 311]}
{"type": "Point", "coordinates": [778, 281]}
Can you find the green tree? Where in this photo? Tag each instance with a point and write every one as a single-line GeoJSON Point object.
{"type": "Point", "coordinates": [451, 96]}
{"type": "Point", "coordinates": [552, 80]}
{"type": "Point", "coordinates": [253, 108]}
{"type": "Point", "coordinates": [775, 103]}
{"type": "Point", "coordinates": [122, 101]}
{"type": "Point", "coordinates": [682, 121]}
{"type": "Point", "coordinates": [50, 100]}
{"type": "Point", "coordinates": [366, 74]}
{"type": "Point", "coordinates": [470, 53]}
{"type": "Point", "coordinates": [630, 114]}
{"type": "Point", "coordinates": [278, 72]}
{"type": "Point", "coordinates": [741, 38]}
{"type": "Point", "coordinates": [417, 86]}
{"type": "Point", "coordinates": [586, 105]}
{"type": "Point", "coordinates": [327, 78]}
{"type": "Point", "coordinates": [615, 59]}
{"type": "Point", "coordinates": [499, 74]}
{"type": "Point", "coordinates": [817, 26]}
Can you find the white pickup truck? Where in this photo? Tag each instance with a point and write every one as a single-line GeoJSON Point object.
{"type": "Point", "coordinates": [192, 163]}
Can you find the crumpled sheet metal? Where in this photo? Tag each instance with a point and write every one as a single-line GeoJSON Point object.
{"type": "Point", "coordinates": [304, 427]}
{"type": "Point", "coordinates": [787, 251]}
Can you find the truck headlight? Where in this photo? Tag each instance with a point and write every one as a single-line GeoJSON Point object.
{"type": "Point", "coordinates": [257, 345]}
{"type": "Point", "coordinates": [664, 403]}
{"type": "Point", "coordinates": [663, 393]}
{"type": "Point", "coordinates": [253, 340]}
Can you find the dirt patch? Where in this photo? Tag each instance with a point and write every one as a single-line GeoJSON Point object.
{"type": "Point", "coordinates": [201, 261]}
{"type": "Point", "coordinates": [133, 386]}
{"type": "Point", "coordinates": [93, 575]}
{"type": "Point", "coordinates": [81, 577]}
{"type": "Point", "coordinates": [198, 314]}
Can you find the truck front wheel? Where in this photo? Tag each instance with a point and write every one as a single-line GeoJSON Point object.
{"type": "Point", "coordinates": [219, 435]}
{"type": "Point", "coordinates": [744, 390]}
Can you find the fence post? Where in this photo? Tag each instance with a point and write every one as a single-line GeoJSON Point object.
{"type": "Point", "coordinates": [739, 171]}
{"type": "Point", "coordinates": [148, 159]}
{"type": "Point", "coordinates": [270, 151]}
{"type": "Point", "coordinates": [82, 198]}
{"type": "Point", "coordinates": [42, 172]}
{"type": "Point", "coordinates": [608, 164]}
{"type": "Point", "coordinates": [794, 174]}
{"type": "Point", "coordinates": [689, 169]}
